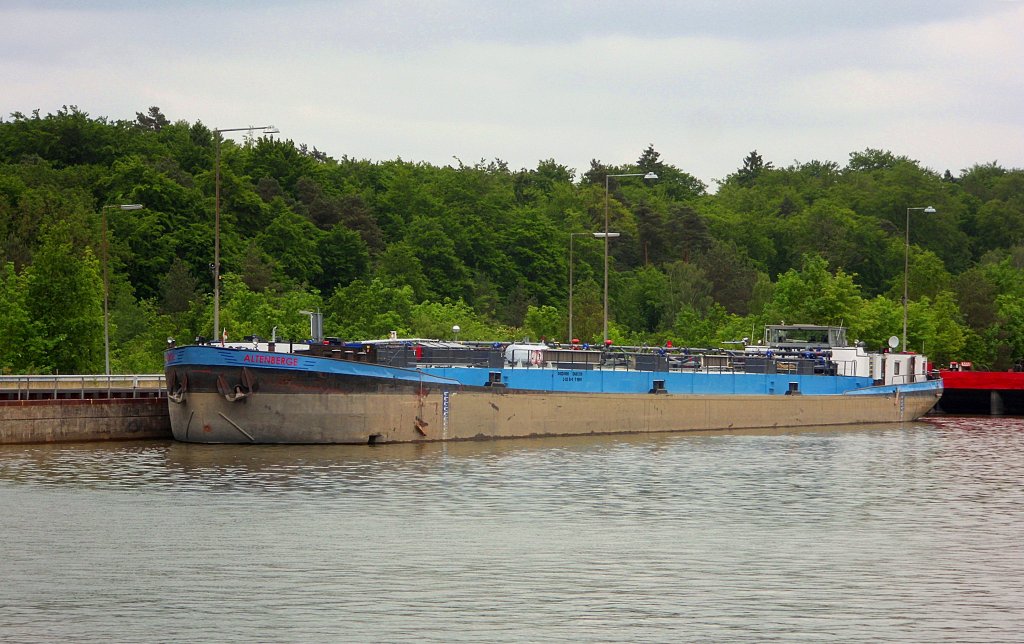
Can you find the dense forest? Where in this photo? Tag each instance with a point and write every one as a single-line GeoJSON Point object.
{"type": "Point", "coordinates": [382, 246]}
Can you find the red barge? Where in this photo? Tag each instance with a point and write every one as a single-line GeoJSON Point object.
{"type": "Point", "coordinates": [966, 391]}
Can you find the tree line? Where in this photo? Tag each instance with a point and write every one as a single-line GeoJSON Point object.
{"type": "Point", "coordinates": [415, 248]}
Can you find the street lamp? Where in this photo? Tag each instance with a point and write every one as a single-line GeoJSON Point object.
{"type": "Point", "coordinates": [266, 129]}
{"type": "Point", "coordinates": [106, 282]}
{"type": "Point", "coordinates": [648, 175]}
{"type": "Point", "coordinates": [906, 268]}
{"type": "Point", "coordinates": [571, 236]}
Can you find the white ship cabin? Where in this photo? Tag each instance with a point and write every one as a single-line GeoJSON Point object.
{"type": "Point", "coordinates": [850, 359]}
{"type": "Point", "coordinates": [526, 354]}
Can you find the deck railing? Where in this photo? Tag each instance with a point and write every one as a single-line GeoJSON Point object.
{"type": "Point", "coordinates": [81, 386]}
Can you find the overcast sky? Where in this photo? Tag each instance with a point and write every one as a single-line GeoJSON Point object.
{"type": "Point", "coordinates": [705, 82]}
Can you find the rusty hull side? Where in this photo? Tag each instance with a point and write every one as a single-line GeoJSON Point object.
{"type": "Point", "coordinates": [409, 415]}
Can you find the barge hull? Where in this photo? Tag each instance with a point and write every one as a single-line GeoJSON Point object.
{"type": "Point", "coordinates": [397, 414]}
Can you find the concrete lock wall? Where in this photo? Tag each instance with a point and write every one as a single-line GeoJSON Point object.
{"type": "Point", "coordinates": [90, 419]}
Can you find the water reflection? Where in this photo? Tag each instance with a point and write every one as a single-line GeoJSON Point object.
{"type": "Point", "coordinates": [858, 534]}
{"type": "Point", "coordinates": [164, 463]}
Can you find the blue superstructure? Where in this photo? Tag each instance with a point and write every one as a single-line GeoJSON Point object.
{"type": "Point", "coordinates": [630, 381]}
{"type": "Point", "coordinates": [238, 357]}
{"type": "Point", "coordinates": [532, 378]}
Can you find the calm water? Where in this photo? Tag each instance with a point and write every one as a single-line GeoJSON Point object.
{"type": "Point", "coordinates": [866, 534]}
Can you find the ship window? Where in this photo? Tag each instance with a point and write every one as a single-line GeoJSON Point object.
{"type": "Point", "coordinates": [896, 368]}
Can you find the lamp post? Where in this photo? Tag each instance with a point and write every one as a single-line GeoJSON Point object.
{"type": "Point", "coordinates": [648, 175]}
{"type": "Point", "coordinates": [106, 283]}
{"type": "Point", "coordinates": [906, 268]}
{"type": "Point", "coordinates": [266, 129]}
{"type": "Point", "coordinates": [571, 236]}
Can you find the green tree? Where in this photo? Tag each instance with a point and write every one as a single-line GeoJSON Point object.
{"type": "Point", "coordinates": [343, 258]}
{"type": "Point", "coordinates": [292, 241]}
{"type": "Point", "coordinates": [530, 186]}
{"type": "Point", "coordinates": [437, 320]}
{"type": "Point", "coordinates": [1007, 335]}
{"type": "Point", "coordinates": [532, 252]}
{"type": "Point", "coordinates": [399, 266]}
{"type": "Point", "coordinates": [640, 300]}
{"type": "Point", "coordinates": [688, 287]}
{"type": "Point", "coordinates": [1000, 223]}
{"type": "Point", "coordinates": [841, 236]}
{"type": "Point", "coordinates": [19, 342]}
{"type": "Point", "coordinates": [64, 296]}
{"type": "Point", "coordinates": [976, 292]}
{"type": "Point", "coordinates": [140, 337]}
{"type": "Point", "coordinates": [367, 310]}
{"type": "Point", "coordinates": [813, 295]}
{"type": "Point", "coordinates": [926, 276]}
{"type": "Point", "coordinates": [878, 319]}
{"type": "Point", "coordinates": [753, 167]}
{"type": "Point", "coordinates": [445, 272]}
{"type": "Point", "coordinates": [672, 182]}
{"type": "Point", "coordinates": [153, 119]}
{"type": "Point", "coordinates": [700, 328]}
{"type": "Point", "coordinates": [245, 312]}
{"type": "Point", "coordinates": [278, 158]}
{"type": "Point", "coordinates": [686, 234]}
{"type": "Point", "coordinates": [403, 195]}
{"type": "Point", "coordinates": [496, 238]}
{"type": "Point", "coordinates": [545, 322]}
{"type": "Point", "coordinates": [588, 311]}
{"type": "Point", "coordinates": [731, 276]}
{"type": "Point", "coordinates": [258, 270]}
{"type": "Point", "coordinates": [936, 329]}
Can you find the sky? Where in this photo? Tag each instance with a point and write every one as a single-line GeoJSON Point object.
{"type": "Point", "coordinates": [450, 81]}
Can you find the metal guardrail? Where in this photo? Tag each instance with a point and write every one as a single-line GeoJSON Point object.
{"type": "Point", "coordinates": [81, 386]}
